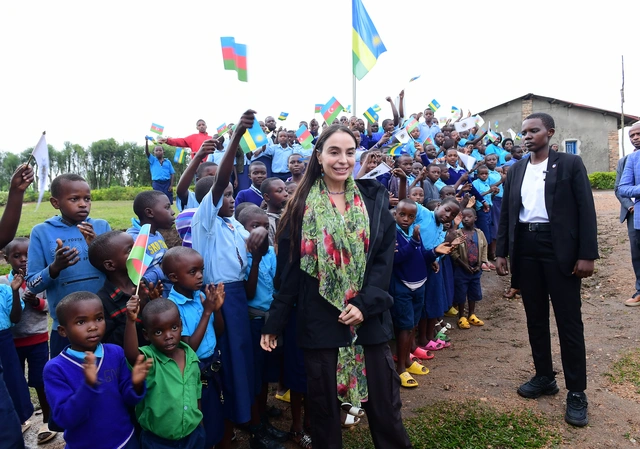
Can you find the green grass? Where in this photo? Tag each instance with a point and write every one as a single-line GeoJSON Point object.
{"type": "Point", "coordinates": [117, 213]}
{"type": "Point", "coordinates": [470, 425]}
{"type": "Point", "coordinates": [627, 369]}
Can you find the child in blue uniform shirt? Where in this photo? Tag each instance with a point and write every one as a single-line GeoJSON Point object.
{"type": "Point", "coordinates": [223, 243]}
{"type": "Point", "coordinates": [257, 174]}
{"type": "Point", "coordinates": [483, 185]}
{"type": "Point", "coordinates": [162, 172]}
{"type": "Point", "coordinates": [185, 198]}
{"type": "Point", "coordinates": [200, 323]}
{"type": "Point", "coordinates": [58, 260]}
{"type": "Point", "coordinates": [496, 179]}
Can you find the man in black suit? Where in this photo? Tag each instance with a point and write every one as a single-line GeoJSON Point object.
{"type": "Point", "coordinates": [626, 213]}
{"type": "Point", "coordinates": [548, 230]}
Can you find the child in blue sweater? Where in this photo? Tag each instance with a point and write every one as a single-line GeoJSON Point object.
{"type": "Point", "coordinates": [58, 260]}
{"type": "Point", "coordinates": [408, 287]}
{"type": "Point", "coordinates": [153, 208]}
{"type": "Point", "coordinates": [257, 174]}
{"type": "Point", "coordinates": [89, 385]}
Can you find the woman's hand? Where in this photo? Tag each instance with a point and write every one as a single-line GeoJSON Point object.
{"type": "Point", "coordinates": [268, 342]}
{"type": "Point", "coordinates": [351, 316]}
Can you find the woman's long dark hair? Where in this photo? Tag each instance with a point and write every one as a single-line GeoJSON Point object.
{"type": "Point", "coordinates": [294, 211]}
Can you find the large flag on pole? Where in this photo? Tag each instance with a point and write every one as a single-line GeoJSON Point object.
{"type": "Point", "coordinates": [367, 45]}
{"type": "Point", "coordinates": [138, 260]}
{"type": "Point", "coordinates": [41, 156]}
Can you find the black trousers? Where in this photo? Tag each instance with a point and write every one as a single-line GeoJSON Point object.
{"type": "Point", "coordinates": [540, 278]}
{"type": "Point", "coordinates": [382, 408]}
{"type": "Point", "coordinates": [634, 242]}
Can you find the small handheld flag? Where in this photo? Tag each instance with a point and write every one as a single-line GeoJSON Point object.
{"type": "Point", "coordinates": [371, 115]}
{"type": "Point", "coordinates": [178, 158]}
{"type": "Point", "coordinates": [429, 141]}
{"type": "Point", "coordinates": [152, 139]}
{"type": "Point", "coordinates": [222, 129]}
{"type": "Point", "coordinates": [512, 133]}
{"type": "Point", "coordinates": [376, 108]}
{"type": "Point", "coordinates": [138, 260]}
{"type": "Point", "coordinates": [155, 128]}
{"type": "Point", "coordinates": [234, 56]}
{"type": "Point", "coordinates": [348, 110]}
{"type": "Point", "coordinates": [394, 150]}
{"type": "Point", "coordinates": [411, 125]}
{"type": "Point", "coordinates": [414, 78]}
{"type": "Point", "coordinates": [518, 137]}
{"type": "Point", "coordinates": [492, 136]}
{"type": "Point", "coordinates": [318, 108]}
{"type": "Point", "coordinates": [496, 125]}
{"type": "Point", "coordinates": [304, 137]}
{"type": "Point", "coordinates": [331, 110]}
{"type": "Point", "coordinates": [283, 116]}
{"type": "Point", "coordinates": [41, 155]}
{"type": "Point", "coordinates": [253, 138]}
{"type": "Point", "coordinates": [455, 111]}
{"type": "Point", "coordinates": [434, 105]}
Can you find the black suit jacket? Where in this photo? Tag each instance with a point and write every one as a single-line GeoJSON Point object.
{"type": "Point", "coordinates": [570, 207]}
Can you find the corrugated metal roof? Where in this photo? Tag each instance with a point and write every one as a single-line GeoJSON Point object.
{"type": "Point", "coordinates": [628, 119]}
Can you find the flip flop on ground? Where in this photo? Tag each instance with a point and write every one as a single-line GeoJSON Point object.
{"type": "Point", "coordinates": [418, 369]}
{"type": "Point", "coordinates": [407, 381]}
{"type": "Point", "coordinates": [45, 434]}
{"type": "Point", "coordinates": [633, 302]}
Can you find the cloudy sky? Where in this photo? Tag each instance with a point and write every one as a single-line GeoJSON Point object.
{"type": "Point", "coordinates": [85, 70]}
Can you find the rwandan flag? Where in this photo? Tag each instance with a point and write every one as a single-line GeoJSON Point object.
{"type": "Point", "coordinates": [318, 108]}
{"type": "Point", "coordinates": [222, 129]}
{"type": "Point", "coordinates": [253, 138]}
{"type": "Point", "coordinates": [434, 105]}
{"type": "Point", "coordinates": [371, 115]}
{"type": "Point", "coordinates": [414, 78]}
{"type": "Point", "coordinates": [283, 116]}
{"type": "Point", "coordinates": [376, 108]}
{"type": "Point", "coordinates": [138, 260]}
{"type": "Point", "coordinates": [234, 56]}
{"type": "Point", "coordinates": [178, 158]}
{"type": "Point", "coordinates": [366, 42]}
{"type": "Point", "coordinates": [304, 137]}
{"type": "Point", "coordinates": [394, 150]}
{"type": "Point", "coordinates": [155, 128]}
{"type": "Point", "coordinates": [411, 125]}
{"type": "Point", "coordinates": [331, 110]}
{"type": "Point", "coordinates": [455, 111]}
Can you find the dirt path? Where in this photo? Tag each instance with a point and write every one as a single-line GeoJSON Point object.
{"type": "Point", "coordinates": [489, 363]}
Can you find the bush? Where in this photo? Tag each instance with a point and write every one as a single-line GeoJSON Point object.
{"type": "Point", "coordinates": [117, 193]}
{"type": "Point", "coordinates": [602, 180]}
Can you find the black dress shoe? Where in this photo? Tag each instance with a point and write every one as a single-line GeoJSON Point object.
{"type": "Point", "coordinates": [538, 386]}
{"type": "Point", "coordinates": [576, 414]}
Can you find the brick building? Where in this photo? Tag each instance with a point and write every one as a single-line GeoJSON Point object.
{"type": "Point", "coordinates": [589, 132]}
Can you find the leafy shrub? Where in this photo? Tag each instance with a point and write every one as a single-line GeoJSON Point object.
{"type": "Point", "coordinates": [602, 180]}
{"type": "Point", "coordinates": [117, 193]}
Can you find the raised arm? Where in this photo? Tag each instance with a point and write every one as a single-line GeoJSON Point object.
{"type": "Point", "coordinates": [146, 148]}
{"type": "Point", "coordinates": [21, 179]}
{"type": "Point", "coordinates": [394, 111]}
{"type": "Point", "coordinates": [182, 189]}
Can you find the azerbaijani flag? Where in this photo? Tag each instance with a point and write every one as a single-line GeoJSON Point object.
{"type": "Point", "coordinates": [304, 137]}
{"type": "Point", "coordinates": [366, 43]}
{"type": "Point", "coordinates": [434, 105]}
{"type": "Point", "coordinates": [155, 128]}
{"type": "Point", "coordinates": [178, 158]}
{"type": "Point", "coordinates": [414, 78]}
{"type": "Point", "coordinates": [318, 108]}
{"type": "Point", "coordinates": [492, 136]}
{"type": "Point", "coordinates": [138, 260]}
{"type": "Point", "coordinates": [253, 138]}
{"type": "Point", "coordinates": [331, 110]}
{"type": "Point", "coordinates": [429, 141]}
{"type": "Point", "coordinates": [222, 129]}
{"type": "Point", "coordinates": [371, 115]}
{"type": "Point", "coordinates": [411, 125]}
{"type": "Point", "coordinates": [283, 116]}
{"type": "Point", "coordinates": [234, 56]}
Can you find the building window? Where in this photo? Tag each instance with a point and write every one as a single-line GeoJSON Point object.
{"type": "Point", "coordinates": [571, 146]}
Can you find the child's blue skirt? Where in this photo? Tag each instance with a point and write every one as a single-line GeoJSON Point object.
{"type": "Point", "coordinates": [447, 277]}
{"type": "Point", "coordinates": [435, 295]}
{"type": "Point", "coordinates": [237, 355]}
{"type": "Point", "coordinates": [14, 377]}
{"type": "Point", "coordinates": [495, 216]}
{"type": "Point", "coordinates": [484, 224]}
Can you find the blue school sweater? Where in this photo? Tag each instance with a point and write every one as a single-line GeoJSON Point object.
{"type": "Point", "coordinates": [93, 417]}
{"type": "Point", "coordinates": [249, 195]}
{"type": "Point", "coordinates": [79, 277]}
{"type": "Point", "coordinates": [410, 260]}
{"type": "Point", "coordinates": [156, 247]}
{"type": "Point", "coordinates": [266, 273]}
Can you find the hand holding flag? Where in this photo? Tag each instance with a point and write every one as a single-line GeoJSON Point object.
{"type": "Point", "coordinates": [252, 134]}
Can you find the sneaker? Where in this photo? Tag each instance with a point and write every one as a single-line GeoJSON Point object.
{"type": "Point", "coordinates": [576, 414]}
{"type": "Point", "coordinates": [538, 386]}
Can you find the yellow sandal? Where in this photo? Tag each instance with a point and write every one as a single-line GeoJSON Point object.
{"type": "Point", "coordinates": [463, 323]}
{"type": "Point", "coordinates": [407, 381]}
{"type": "Point", "coordinates": [418, 369]}
{"type": "Point", "coordinates": [475, 321]}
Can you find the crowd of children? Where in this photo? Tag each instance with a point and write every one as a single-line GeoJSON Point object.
{"type": "Point", "coordinates": [179, 363]}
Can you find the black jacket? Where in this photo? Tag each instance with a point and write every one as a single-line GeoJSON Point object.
{"type": "Point", "coordinates": [318, 325]}
{"type": "Point", "coordinates": [570, 207]}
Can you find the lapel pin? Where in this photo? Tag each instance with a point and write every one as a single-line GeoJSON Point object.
{"type": "Point", "coordinates": [554, 166]}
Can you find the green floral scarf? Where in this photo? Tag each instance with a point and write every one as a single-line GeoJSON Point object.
{"type": "Point", "coordinates": [334, 250]}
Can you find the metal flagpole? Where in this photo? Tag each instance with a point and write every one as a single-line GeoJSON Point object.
{"type": "Point", "coordinates": [622, 107]}
{"type": "Point", "coordinates": [353, 100]}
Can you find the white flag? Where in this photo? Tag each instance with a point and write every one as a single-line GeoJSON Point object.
{"type": "Point", "coordinates": [479, 121]}
{"type": "Point", "coordinates": [401, 136]}
{"type": "Point", "coordinates": [468, 161]}
{"type": "Point", "coordinates": [465, 125]}
{"type": "Point", "coordinates": [41, 155]}
{"type": "Point", "coordinates": [512, 133]}
{"type": "Point", "coordinates": [379, 170]}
